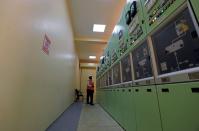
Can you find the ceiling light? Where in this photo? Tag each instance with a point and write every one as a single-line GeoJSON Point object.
{"type": "Point", "coordinates": [92, 57]}
{"type": "Point", "coordinates": [99, 28]}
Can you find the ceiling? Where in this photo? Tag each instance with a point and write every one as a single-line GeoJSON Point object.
{"type": "Point", "coordinates": [85, 13]}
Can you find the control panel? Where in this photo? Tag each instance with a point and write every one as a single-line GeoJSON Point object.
{"type": "Point", "coordinates": [122, 43]}
{"type": "Point", "coordinates": [126, 69]}
{"type": "Point", "coordinates": [110, 77]}
{"type": "Point", "coordinates": [156, 11]}
{"type": "Point", "coordinates": [114, 56]}
{"type": "Point", "coordinates": [169, 28]}
{"type": "Point", "coordinates": [116, 74]}
{"type": "Point", "coordinates": [135, 21]}
{"type": "Point", "coordinates": [142, 62]}
{"type": "Point", "coordinates": [149, 4]}
{"type": "Point", "coordinates": [108, 59]}
{"type": "Point", "coordinates": [177, 45]}
{"type": "Point", "coordinates": [106, 79]}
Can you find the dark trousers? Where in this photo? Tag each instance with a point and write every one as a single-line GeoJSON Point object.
{"type": "Point", "coordinates": [89, 95]}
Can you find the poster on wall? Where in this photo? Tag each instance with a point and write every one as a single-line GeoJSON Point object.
{"type": "Point", "coordinates": [46, 44]}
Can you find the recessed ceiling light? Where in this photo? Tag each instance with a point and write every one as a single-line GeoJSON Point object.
{"type": "Point", "coordinates": [99, 28]}
{"type": "Point", "coordinates": [92, 57]}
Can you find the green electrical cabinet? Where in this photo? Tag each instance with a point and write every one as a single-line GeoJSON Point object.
{"type": "Point", "coordinates": [120, 109]}
{"type": "Point", "coordinates": [179, 106]}
{"type": "Point", "coordinates": [113, 103]}
{"type": "Point", "coordinates": [147, 109]}
{"type": "Point", "coordinates": [134, 22]}
{"type": "Point", "coordinates": [116, 105]}
{"type": "Point", "coordinates": [111, 112]}
{"type": "Point", "coordinates": [105, 100]}
{"type": "Point", "coordinates": [109, 100]}
{"type": "Point", "coordinates": [157, 11]}
{"type": "Point", "coordinates": [121, 35]}
{"type": "Point", "coordinates": [98, 96]}
{"type": "Point", "coordinates": [195, 6]}
{"type": "Point", "coordinates": [129, 112]}
{"type": "Point", "coordinates": [113, 46]}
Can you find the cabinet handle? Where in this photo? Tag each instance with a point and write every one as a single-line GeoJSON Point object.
{"type": "Point", "coordinates": [129, 90]}
{"type": "Point", "coordinates": [136, 90]}
{"type": "Point", "coordinates": [195, 90]}
{"type": "Point", "coordinates": [165, 90]}
{"type": "Point", "coordinates": [149, 90]}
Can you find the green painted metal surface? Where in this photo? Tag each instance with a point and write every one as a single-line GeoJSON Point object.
{"type": "Point", "coordinates": [179, 106]}
{"type": "Point", "coordinates": [120, 106]}
{"type": "Point", "coordinates": [159, 12]}
{"type": "Point", "coordinates": [147, 110]}
{"type": "Point", "coordinates": [129, 112]}
{"type": "Point", "coordinates": [136, 37]}
{"type": "Point", "coordinates": [195, 5]}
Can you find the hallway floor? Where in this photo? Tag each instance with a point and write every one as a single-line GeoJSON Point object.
{"type": "Point", "coordinates": [94, 118]}
{"type": "Point", "coordinates": [83, 117]}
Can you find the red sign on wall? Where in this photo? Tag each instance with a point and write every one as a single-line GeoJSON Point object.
{"type": "Point", "coordinates": [46, 44]}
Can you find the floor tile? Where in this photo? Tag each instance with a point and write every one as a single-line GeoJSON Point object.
{"type": "Point", "coordinates": [94, 118]}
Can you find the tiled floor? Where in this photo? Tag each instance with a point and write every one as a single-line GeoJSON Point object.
{"type": "Point", "coordinates": [68, 121]}
{"type": "Point", "coordinates": [94, 118]}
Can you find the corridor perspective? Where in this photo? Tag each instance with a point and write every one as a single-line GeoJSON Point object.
{"type": "Point", "coordinates": [99, 65]}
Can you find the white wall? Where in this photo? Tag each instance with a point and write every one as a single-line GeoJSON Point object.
{"type": "Point", "coordinates": [35, 88]}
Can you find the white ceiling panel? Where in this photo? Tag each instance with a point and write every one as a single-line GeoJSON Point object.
{"type": "Point", "coordinates": [85, 13]}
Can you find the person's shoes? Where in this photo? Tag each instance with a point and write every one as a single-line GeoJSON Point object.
{"type": "Point", "coordinates": [87, 103]}
{"type": "Point", "coordinates": [91, 104]}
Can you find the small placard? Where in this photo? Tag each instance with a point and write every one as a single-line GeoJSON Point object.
{"type": "Point", "coordinates": [46, 44]}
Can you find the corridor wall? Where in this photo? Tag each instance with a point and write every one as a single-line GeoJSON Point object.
{"type": "Point", "coordinates": [35, 88]}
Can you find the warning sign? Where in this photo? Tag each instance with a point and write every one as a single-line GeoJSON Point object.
{"type": "Point", "coordinates": [46, 44]}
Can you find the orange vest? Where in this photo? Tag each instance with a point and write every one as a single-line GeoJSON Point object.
{"type": "Point", "coordinates": [90, 85]}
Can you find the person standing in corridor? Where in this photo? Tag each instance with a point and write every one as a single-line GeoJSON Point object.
{"type": "Point", "coordinates": [90, 91]}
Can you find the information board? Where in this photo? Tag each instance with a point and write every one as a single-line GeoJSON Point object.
{"type": "Point", "coordinates": [126, 69]}
{"type": "Point", "coordinates": [116, 74]}
{"type": "Point", "coordinates": [142, 61]}
{"type": "Point", "coordinates": [177, 45]}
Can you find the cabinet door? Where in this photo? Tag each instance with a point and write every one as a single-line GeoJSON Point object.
{"type": "Point", "coordinates": [147, 110]}
{"type": "Point", "coordinates": [179, 106]}
{"type": "Point", "coordinates": [129, 114]}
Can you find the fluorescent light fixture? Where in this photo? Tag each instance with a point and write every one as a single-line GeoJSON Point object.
{"type": "Point", "coordinates": [99, 28]}
{"type": "Point", "coordinates": [92, 57]}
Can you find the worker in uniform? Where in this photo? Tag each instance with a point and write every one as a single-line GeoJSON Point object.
{"type": "Point", "coordinates": [90, 91]}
